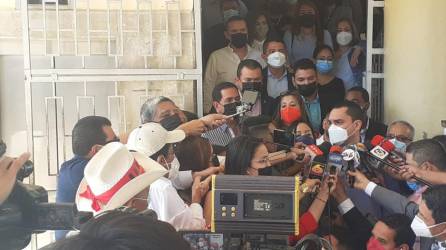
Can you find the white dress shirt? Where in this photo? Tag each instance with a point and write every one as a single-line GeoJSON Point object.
{"type": "Point", "coordinates": [168, 205]}
{"type": "Point", "coordinates": [222, 67]}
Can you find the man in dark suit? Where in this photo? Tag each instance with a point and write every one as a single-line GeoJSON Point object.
{"type": "Point", "coordinates": [249, 77]}
{"type": "Point", "coordinates": [277, 79]}
{"type": "Point", "coordinates": [360, 96]}
{"type": "Point", "coordinates": [429, 216]}
{"type": "Point", "coordinates": [390, 232]}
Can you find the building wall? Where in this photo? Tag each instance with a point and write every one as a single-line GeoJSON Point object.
{"type": "Point", "coordinates": [415, 64]}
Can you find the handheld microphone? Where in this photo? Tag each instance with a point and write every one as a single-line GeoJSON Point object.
{"type": "Point", "coordinates": [351, 160]}
{"type": "Point", "coordinates": [313, 151]}
{"type": "Point", "coordinates": [317, 168]}
{"type": "Point", "coordinates": [379, 154]}
{"type": "Point", "coordinates": [334, 162]}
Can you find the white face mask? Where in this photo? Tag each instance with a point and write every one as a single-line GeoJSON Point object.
{"type": "Point", "coordinates": [420, 228]}
{"type": "Point", "coordinates": [344, 38]}
{"type": "Point", "coordinates": [337, 135]}
{"type": "Point", "coordinates": [230, 13]}
{"type": "Point", "coordinates": [276, 59]}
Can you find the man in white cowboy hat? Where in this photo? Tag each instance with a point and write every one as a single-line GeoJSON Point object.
{"type": "Point", "coordinates": [116, 177]}
{"type": "Point", "coordinates": [154, 141]}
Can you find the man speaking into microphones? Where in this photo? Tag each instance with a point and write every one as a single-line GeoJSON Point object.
{"type": "Point", "coordinates": [345, 121]}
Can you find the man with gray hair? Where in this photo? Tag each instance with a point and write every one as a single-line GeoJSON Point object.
{"type": "Point", "coordinates": [402, 131]}
{"type": "Point", "coordinates": [163, 110]}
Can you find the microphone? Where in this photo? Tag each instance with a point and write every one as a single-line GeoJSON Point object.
{"type": "Point", "coordinates": [334, 162]}
{"type": "Point", "coordinates": [313, 151]}
{"type": "Point", "coordinates": [317, 168]}
{"type": "Point", "coordinates": [351, 160]}
{"type": "Point", "coordinates": [379, 155]}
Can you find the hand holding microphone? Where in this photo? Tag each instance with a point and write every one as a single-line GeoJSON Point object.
{"type": "Point", "coordinates": [360, 180]}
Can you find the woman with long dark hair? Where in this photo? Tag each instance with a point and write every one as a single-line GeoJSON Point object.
{"type": "Point", "coordinates": [290, 111]}
{"type": "Point", "coordinates": [246, 155]}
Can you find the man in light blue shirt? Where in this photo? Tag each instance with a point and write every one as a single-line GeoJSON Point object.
{"type": "Point", "coordinates": [276, 77]}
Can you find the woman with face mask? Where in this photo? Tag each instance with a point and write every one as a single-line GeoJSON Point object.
{"type": "Point", "coordinates": [246, 156]}
{"type": "Point", "coordinates": [290, 111]}
{"type": "Point", "coordinates": [330, 87]}
{"type": "Point", "coordinates": [306, 32]}
{"type": "Point", "coordinates": [259, 30]}
{"type": "Point", "coordinates": [349, 56]}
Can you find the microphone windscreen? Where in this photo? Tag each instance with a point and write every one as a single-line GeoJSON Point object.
{"type": "Point", "coordinates": [376, 140]}
{"type": "Point", "coordinates": [336, 149]}
{"type": "Point", "coordinates": [388, 146]}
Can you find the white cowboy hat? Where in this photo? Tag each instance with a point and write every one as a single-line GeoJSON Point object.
{"type": "Point", "coordinates": [113, 176]}
{"type": "Point", "coordinates": [151, 137]}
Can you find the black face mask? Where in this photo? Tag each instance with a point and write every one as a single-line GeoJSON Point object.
{"type": "Point", "coordinates": [265, 172]}
{"type": "Point", "coordinates": [307, 20]}
{"type": "Point", "coordinates": [239, 40]}
{"type": "Point", "coordinates": [253, 86]}
{"type": "Point", "coordinates": [172, 122]}
{"type": "Point", "coordinates": [308, 89]}
{"type": "Point", "coordinates": [231, 108]}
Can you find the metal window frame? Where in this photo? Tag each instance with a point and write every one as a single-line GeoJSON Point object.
{"type": "Point", "coordinates": [84, 74]}
{"type": "Point", "coordinates": [53, 75]}
{"type": "Point", "coordinates": [370, 50]}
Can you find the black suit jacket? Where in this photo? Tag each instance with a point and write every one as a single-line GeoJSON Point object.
{"type": "Point", "coordinates": [271, 104]}
{"type": "Point", "coordinates": [375, 128]}
{"type": "Point", "coordinates": [360, 225]}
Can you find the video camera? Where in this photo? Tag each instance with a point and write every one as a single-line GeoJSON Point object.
{"type": "Point", "coordinates": [255, 204]}
{"type": "Point", "coordinates": [27, 211]}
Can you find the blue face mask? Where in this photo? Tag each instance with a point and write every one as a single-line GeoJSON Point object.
{"type": "Point", "coordinates": [399, 145]}
{"type": "Point", "coordinates": [413, 185]}
{"type": "Point", "coordinates": [324, 66]}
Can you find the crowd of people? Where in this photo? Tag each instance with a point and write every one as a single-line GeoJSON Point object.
{"type": "Point", "coordinates": [165, 165]}
{"type": "Point", "coordinates": [305, 62]}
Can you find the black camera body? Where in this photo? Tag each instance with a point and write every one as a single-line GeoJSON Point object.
{"type": "Point", "coordinates": [27, 211]}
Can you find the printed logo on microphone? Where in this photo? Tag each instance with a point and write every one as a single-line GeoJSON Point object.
{"type": "Point", "coordinates": [379, 152]}
{"type": "Point", "coordinates": [348, 154]}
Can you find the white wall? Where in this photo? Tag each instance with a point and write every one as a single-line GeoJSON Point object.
{"type": "Point", "coordinates": [415, 63]}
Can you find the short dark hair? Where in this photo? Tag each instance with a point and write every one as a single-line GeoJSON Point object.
{"type": "Point", "coordinates": [400, 223]}
{"type": "Point", "coordinates": [248, 63]}
{"type": "Point", "coordinates": [87, 132]}
{"type": "Point", "coordinates": [442, 140]}
{"type": "Point", "coordinates": [364, 93]}
{"type": "Point", "coordinates": [319, 48]}
{"type": "Point", "coordinates": [428, 150]}
{"type": "Point", "coordinates": [148, 109]}
{"type": "Point", "coordinates": [234, 19]}
{"type": "Point", "coordinates": [304, 64]}
{"type": "Point", "coordinates": [124, 231]}
{"type": "Point", "coordinates": [435, 199]}
{"type": "Point", "coordinates": [216, 92]}
{"type": "Point", "coordinates": [239, 154]}
{"type": "Point", "coordinates": [273, 39]}
{"type": "Point", "coordinates": [353, 109]}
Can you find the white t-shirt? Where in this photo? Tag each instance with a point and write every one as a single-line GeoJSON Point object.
{"type": "Point", "coordinates": [168, 205]}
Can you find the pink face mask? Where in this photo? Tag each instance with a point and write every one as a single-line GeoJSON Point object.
{"type": "Point", "coordinates": [373, 244]}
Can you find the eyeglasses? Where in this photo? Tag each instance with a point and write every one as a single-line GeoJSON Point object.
{"type": "Point", "coordinates": [400, 138]}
